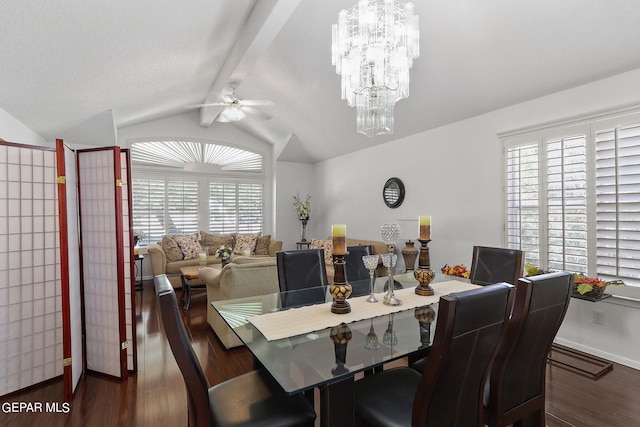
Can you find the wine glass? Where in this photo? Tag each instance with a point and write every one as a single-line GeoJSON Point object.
{"type": "Point", "coordinates": [389, 337]}
{"type": "Point", "coordinates": [370, 263]}
{"type": "Point", "coordinates": [371, 339]}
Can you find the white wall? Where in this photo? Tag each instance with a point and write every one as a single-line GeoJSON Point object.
{"type": "Point", "coordinates": [455, 174]}
{"type": "Point", "coordinates": [291, 179]}
{"type": "Point", "coordinates": [13, 130]}
{"type": "Point", "coordinates": [617, 337]}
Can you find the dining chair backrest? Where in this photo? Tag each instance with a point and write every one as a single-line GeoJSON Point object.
{"type": "Point", "coordinates": [517, 380]}
{"type": "Point", "coordinates": [469, 328]}
{"type": "Point", "coordinates": [301, 269]}
{"type": "Point", "coordinates": [194, 378]}
{"type": "Point", "coordinates": [354, 267]}
{"type": "Point", "coordinates": [496, 265]}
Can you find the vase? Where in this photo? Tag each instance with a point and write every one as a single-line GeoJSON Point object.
{"type": "Point", "coordinates": [303, 231]}
{"type": "Point", "coordinates": [410, 254]}
{"type": "Point", "coordinates": [225, 261]}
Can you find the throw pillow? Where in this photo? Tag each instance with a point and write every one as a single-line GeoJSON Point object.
{"type": "Point", "coordinates": [245, 241]}
{"type": "Point", "coordinates": [214, 241]}
{"type": "Point", "coordinates": [262, 245]}
{"type": "Point", "coordinates": [188, 245]}
{"type": "Point", "coordinates": [327, 245]}
{"type": "Point", "coordinates": [171, 249]}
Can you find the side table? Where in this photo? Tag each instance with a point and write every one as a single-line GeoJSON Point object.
{"type": "Point", "coordinates": [301, 245]}
{"type": "Point", "coordinates": [187, 275]}
{"type": "Point", "coordinates": [138, 257]}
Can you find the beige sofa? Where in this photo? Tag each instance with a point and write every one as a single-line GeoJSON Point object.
{"type": "Point", "coordinates": [243, 277]}
{"type": "Point", "coordinates": [160, 264]}
{"type": "Point", "coordinates": [379, 247]}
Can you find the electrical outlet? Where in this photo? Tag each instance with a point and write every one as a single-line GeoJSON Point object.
{"type": "Point", "coordinates": [598, 317]}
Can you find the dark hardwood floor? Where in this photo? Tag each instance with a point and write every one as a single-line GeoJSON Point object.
{"type": "Point", "coordinates": [156, 394]}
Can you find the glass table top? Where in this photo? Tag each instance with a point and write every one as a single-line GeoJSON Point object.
{"type": "Point", "coordinates": [309, 360]}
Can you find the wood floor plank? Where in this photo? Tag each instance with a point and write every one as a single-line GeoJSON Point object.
{"type": "Point", "coordinates": [156, 395]}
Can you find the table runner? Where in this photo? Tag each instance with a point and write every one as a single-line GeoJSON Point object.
{"type": "Point", "coordinates": [302, 320]}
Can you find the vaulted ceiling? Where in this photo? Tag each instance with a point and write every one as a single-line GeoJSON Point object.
{"type": "Point", "coordinates": [65, 62]}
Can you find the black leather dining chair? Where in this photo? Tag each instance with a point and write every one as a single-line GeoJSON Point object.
{"type": "Point", "coordinates": [253, 399]}
{"type": "Point", "coordinates": [495, 265]}
{"type": "Point", "coordinates": [449, 392]}
{"type": "Point", "coordinates": [354, 267]}
{"type": "Point", "coordinates": [300, 270]}
{"type": "Point", "coordinates": [356, 273]}
{"type": "Point", "coordinates": [516, 388]}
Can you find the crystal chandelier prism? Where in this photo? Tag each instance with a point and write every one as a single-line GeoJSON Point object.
{"type": "Point", "coordinates": [373, 47]}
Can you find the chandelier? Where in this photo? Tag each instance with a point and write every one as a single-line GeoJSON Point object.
{"type": "Point", "coordinates": [373, 47]}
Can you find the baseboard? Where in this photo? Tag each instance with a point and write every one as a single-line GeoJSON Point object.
{"type": "Point", "coordinates": [599, 353]}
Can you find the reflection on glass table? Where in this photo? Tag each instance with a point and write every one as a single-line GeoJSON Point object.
{"type": "Point", "coordinates": [305, 361]}
{"type": "Point", "coordinates": [329, 358]}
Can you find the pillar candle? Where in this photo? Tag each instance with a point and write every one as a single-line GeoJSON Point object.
{"type": "Point", "coordinates": [339, 234]}
{"type": "Point", "coordinates": [202, 256]}
{"type": "Point", "coordinates": [425, 227]}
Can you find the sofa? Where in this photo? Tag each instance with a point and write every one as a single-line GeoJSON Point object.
{"type": "Point", "coordinates": [243, 277]}
{"type": "Point", "coordinates": [378, 247]}
{"type": "Point", "coordinates": [176, 251]}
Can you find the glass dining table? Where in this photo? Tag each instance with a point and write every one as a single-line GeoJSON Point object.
{"type": "Point", "coordinates": [330, 357]}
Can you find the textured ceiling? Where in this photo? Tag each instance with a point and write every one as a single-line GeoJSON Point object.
{"type": "Point", "coordinates": [65, 62]}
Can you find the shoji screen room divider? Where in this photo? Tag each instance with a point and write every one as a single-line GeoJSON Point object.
{"type": "Point", "coordinates": [66, 301]}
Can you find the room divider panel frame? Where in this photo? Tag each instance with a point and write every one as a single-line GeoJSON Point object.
{"type": "Point", "coordinates": [67, 180]}
{"type": "Point", "coordinates": [43, 272]}
{"type": "Point", "coordinates": [102, 251]}
{"type": "Point", "coordinates": [31, 332]}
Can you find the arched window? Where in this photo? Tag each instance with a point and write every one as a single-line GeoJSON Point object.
{"type": "Point", "coordinates": [184, 186]}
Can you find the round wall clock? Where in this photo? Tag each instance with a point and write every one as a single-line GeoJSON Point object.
{"type": "Point", "coordinates": [393, 192]}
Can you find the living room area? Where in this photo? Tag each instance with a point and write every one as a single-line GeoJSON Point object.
{"type": "Point", "coordinates": [454, 148]}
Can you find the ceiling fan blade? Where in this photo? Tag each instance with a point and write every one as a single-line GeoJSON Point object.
{"type": "Point", "coordinates": [212, 104]}
{"type": "Point", "coordinates": [255, 113]}
{"type": "Point", "coordinates": [222, 118]}
{"type": "Point", "coordinates": [256, 103]}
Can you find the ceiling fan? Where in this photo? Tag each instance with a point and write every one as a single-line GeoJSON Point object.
{"type": "Point", "coordinates": [236, 109]}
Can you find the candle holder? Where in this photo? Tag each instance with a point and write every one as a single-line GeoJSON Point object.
{"type": "Point", "coordinates": [390, 337]}
{"type": "Point", "coordinates": [370, 263]}
{"type": "Point", "coordinates": [203, 255]}
{"type": "Point", "coordinates": [340, 335]}
{"type": "Point", "coordinates": [390, 234]}
{"type": "Point", "coordinates": [340, 290]}
{"type": "Point", "coordinates": [423, 274]}
{"type": "Point", "coordinates": [425, 315]}
{"type": "Point", "coordinates": [371, 339]}
{"type": "Point", "coordinates": [389, 261]}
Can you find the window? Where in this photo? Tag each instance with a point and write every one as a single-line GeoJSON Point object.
{"type": "Point", "coordinates": [573, 197]}
{"type": "Point", "coordinates": [235, 208]}
{"type": "Point", "coordinates": [193, 186]}
{"type": "Point", "coordinates": [162, 206]}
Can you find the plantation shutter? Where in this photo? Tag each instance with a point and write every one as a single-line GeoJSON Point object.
{"type": "Point", "coordinates": [235, 207]}
{"type": "Point", "coordinates": [148, 202]}
{"type": "Point", "coordinates": [182, 207]}
{"type": "Point", "coordinates": [617, 160]}
{"type": "Point", "coordinates": [523, 204]}
{"type": "Point", "coordinates": [567, 203]}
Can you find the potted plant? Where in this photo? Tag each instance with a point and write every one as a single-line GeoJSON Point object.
{"type": "Point", "coordinates": [304, 211]}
